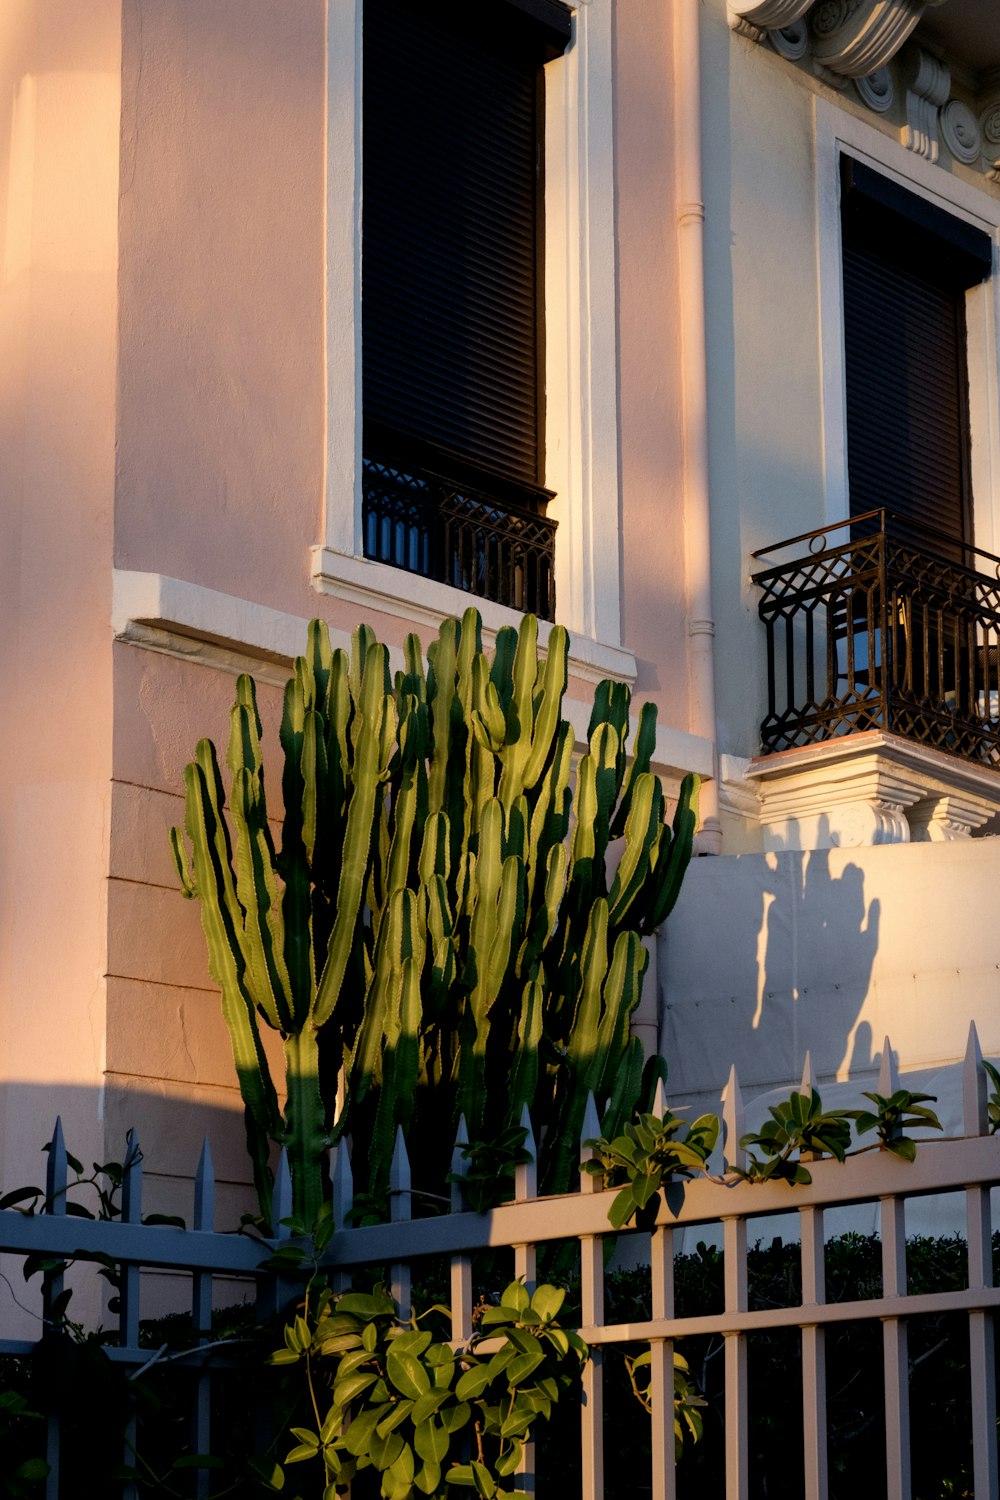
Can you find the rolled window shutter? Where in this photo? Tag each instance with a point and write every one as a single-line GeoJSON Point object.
{"type": "Point", "coordinates": [906, 267]}
{"type": "Point", "coordinates": [907, 394]}
{"type": "Point", "coordinates": [452, 227]}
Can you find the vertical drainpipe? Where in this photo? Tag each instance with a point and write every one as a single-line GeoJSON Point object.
{"type": "Point", "coordinates": [694, 386]}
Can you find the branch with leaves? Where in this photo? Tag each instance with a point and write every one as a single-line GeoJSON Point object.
{"type": "Point", "coordinates": [644, 1156]}
{"type": "Point", "coordinates": [389, 1396]}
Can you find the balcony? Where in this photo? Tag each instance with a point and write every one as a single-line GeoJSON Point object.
{"type": "Point", "coordinates": [485, 535]}
{"type": "Point", "coordinates": [883, 661]}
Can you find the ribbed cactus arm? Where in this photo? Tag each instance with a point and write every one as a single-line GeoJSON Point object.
{"type": "Point", "coordinates": [256, 878]}
{"type": "Point", "coordinates": [319, 663]}
{"type": "Point", "coordinates": [642, 830]}
{"type": "Point", "coordinates": [674, 858]}
{"type": "Point", "coordinates": [402, 937]}
{"type": "Point", "coordinates": [622, 990]}
{"type": "Point", "coordinates": [442, 700]}
{"type": "Point", "coordinates": [605, 750]}
{"type": "Point", "coordinates": [582, 1047]}
{"type": "Point", "coordinates": [222, 925]}
{"type": "Point", "coordinates": [550, 817]}
{"type": "Point", "coordinates": [642, 755]}
{"type": "Point", "coordinates": [524, 1073]}
{"type": "Point", "coordinates": [369, 733]}
{"type": "Point", "coordinates": [210, 821]}
{"type": "Point", "coordinates": [405, 816]}
{"type": "Point", "coordinates": [305, 1137]}
{"type": "Point", "coordinates": [486, 885]}
{"type": "Point", "coordinates": [548, 712]}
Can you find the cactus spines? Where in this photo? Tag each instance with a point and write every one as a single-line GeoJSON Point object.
{"type": "Point", "coordinates": [452, 925]}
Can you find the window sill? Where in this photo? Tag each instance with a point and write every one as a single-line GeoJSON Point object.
{"type": "Point", "coordinates": [409, 596]}
{"type": "Point", "coordinates": [208, 628]}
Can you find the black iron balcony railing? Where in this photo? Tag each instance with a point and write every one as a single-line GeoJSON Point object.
{"type": "Point", "coordinates": [894, 627]}
{"type": "Point", "coordinates": [460, 533]}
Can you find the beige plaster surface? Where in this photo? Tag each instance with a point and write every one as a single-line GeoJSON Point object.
{"type": "Point", "coordinates": [830, 951]}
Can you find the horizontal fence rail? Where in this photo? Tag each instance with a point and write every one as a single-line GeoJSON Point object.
{"type": "Point", "coordinates": [882, 623]}
{"type": "Point", "coordinates": [969, 1164]}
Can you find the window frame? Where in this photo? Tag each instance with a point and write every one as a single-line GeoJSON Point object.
{"type": "Point", "coordinates": [581, 381]}
{"type": "Point", "coordinates": [836, 130]}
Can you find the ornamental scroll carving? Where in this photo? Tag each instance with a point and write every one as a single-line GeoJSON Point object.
{"type": "Point", "coordinates": [862, 42]}
{"type": "Point", "coordinates": [853, 38]}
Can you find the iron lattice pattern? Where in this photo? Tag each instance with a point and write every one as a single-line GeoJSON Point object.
{"type": "Point", "coordinates": [459, 535]}
{"type": "Point", "coordinates": [883, 632]}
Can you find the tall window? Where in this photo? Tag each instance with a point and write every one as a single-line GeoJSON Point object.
{"type": "Point", "coordinates": [907, 267]}
{"type": "Point", "coordinates": [451, 308]}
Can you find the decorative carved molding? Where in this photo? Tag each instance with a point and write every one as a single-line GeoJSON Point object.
{"type": "Point", "coordinates": [856, 41]}
{"type": "Point", "coordinates": [877, 90]}
{"type": "Point", "coordinates": [871, 788]}
{"type": "Point", "coordinates": [961, 132]}
{"type": "Point", "coordinates": [791, 41]}
{"type": "Point", "coordinates": [854, 37]}
{"type": "Point", "coordinates": [940, 820]}
{"type": "Point", "coordinates": [989, 120]}
{"type": "Point", "coordinates": [747, 28]}
{"type": "Point", "coordinates": [928, 86]}
{"type": "Point", "coordinates": [738, 796]}
{"type": "Point", "coordinates": [768, 14]}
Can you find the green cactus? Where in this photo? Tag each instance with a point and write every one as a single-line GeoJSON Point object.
{"type": "Point", "coordinates": [432, 940]}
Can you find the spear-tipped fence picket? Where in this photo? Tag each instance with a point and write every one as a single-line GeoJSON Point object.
{"type": "Point", "coordinates": [970, 1163]}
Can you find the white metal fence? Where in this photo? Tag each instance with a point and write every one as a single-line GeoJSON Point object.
{"type": "Point", "coordinates": [970, 1164]}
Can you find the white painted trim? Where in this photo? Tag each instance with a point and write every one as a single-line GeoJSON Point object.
{"type": "Point", "coordinates": [408, 596]}
{"type": "Point", "coordinates": [209, 628]}
{"type": "Point", "coordinates": [581, 322]}
{"type": "Point", "coordinates": [835, 128]}
{"type": "Point", "coordinates": [342, 516]}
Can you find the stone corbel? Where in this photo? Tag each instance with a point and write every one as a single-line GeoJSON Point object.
{"type": "Point", "coordinates": [989, 124]}
{"type": "Point", "coordinates": [870, 788]}
{"type": "Point", "coordinates": [928, 84]}
{"type": "Point", "coordinates": [940, 819]}
{"type": "Point", "coordinates": [854, 37]}
{"type": "Point", "coordinates": [961, 132]}
{"type": "Point", "coordinates": [767, 15]}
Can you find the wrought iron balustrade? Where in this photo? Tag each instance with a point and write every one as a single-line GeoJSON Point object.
{"type": "Point", "coordinates": [895, 627]}
{"type": "Point", "coordinates": [460, 534]}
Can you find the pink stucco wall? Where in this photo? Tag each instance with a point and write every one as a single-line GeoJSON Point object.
{"type": "Point", "coordinates": [162, 409]}
{"type": "Point", "coordinates": [221, 378]}
{"type": "Point", "coordinates": [59, 116]}
{"type": "Point", "coordinates": [654, 588]}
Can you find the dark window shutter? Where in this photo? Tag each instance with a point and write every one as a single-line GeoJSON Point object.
{"type": "Point", "coordinates": [907, 267]}
{"type": "Point", "coordinates": [907, 394]}
{"type": "Point", "coordinates": [452, 228]}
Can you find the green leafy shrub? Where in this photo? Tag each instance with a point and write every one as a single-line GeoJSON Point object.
{"type": "Point", "coordinates": [646, 1154]}
{"type": "Point", "coordinates": [420, 1414]}
{"type": "Point", "coordinates": [895, 1114]}
{"type": "Point", "coordinates": [799, 1129]}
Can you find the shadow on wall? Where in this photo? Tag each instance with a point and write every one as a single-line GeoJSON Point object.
{"type": "Point", "coordinates": [170, 1132]}
{"type": "Point", "coordinates": [782, 966]}
{"type": "Point", "coordinates": [170, 1135]}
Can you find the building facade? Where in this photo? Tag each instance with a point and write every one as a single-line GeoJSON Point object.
{"type": "Point", "coordinates": [364, 310]}
{"type": "Point", "coordinates": [851, 195]}
{"type": "Point", "coordinates": [191, 472]}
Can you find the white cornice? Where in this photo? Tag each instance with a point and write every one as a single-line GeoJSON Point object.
{"type": "Point", "coordinates": [209, 628]}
